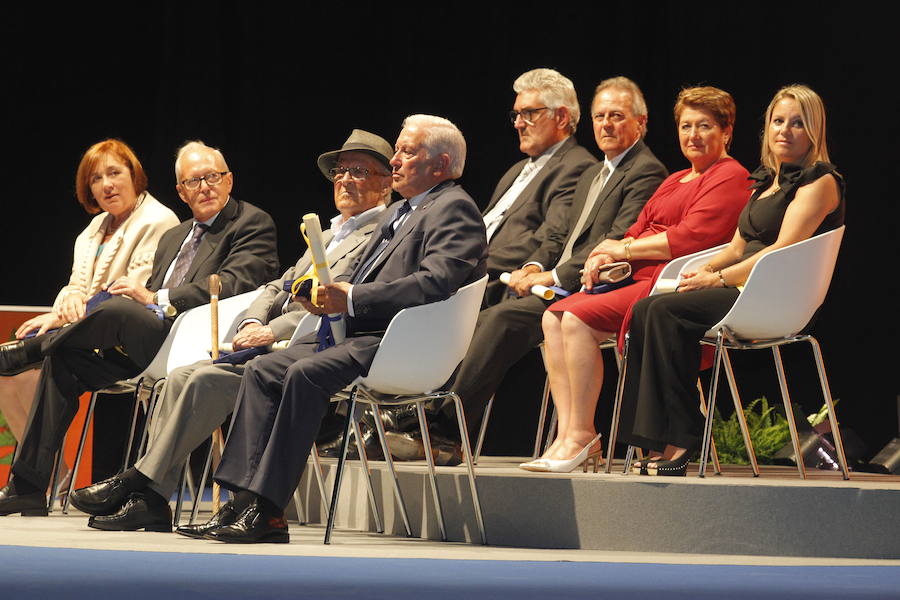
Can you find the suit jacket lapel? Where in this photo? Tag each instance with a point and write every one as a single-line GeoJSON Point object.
{"type": "Point", "coordinates": [168, 254]}
{"type": "Point", "coordinates": [505, 184]}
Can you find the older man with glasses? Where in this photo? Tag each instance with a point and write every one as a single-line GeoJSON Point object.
{"type": "Point", "coordinates": [118, 339]}
{"type": "Point", "coordinates": [197, 398]}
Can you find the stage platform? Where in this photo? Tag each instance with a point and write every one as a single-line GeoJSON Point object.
{"type": "Point", "coordinates": [575, 536]}
{"type": "Point", "coordinates": [776, 514]}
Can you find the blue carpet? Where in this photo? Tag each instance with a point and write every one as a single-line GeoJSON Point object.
{"type": "Point", "coordinates": [62, 573]}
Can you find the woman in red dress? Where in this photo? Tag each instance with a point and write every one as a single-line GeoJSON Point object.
{"type": "Point", "coordinates": [692, 210]}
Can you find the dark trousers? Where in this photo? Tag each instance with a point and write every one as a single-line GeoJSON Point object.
{"type": "Point", "coordinates": [84, 357]}
{"type": "Point", "coordinates": [504, 334]}
{"type": "Point", "coordinates": [660, 402]}
{"type": "Point", "coordinates": [282, 400]}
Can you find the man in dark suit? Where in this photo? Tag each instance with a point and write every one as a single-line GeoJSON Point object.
{"type": "Point", "coordinates": [197, 398]}
{"type": "Point", "coordinates": [608, 198]}
{"type": "Point", "coordinates": [120, 338]}
{"type": "Point", "coordinates": [430, 245]}
{"type": "Point", "coordinates": [538, 190]}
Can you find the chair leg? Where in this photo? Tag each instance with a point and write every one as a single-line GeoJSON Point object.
{"type": "Point", "coordinates": [739, 411]}
{"type": "Point", "coordinates": [339, 472]}
{"type": "Point", "coordinates": [542, 415]}
{"type": "Point", "coordinates": [832, 415]}
{"type": "Point", "coordinates": [429, 459]}
{"type": "Point", "coordinates": [84, 431]}
{"type": "Point", "coordinates": [151, 407]}
{"type": "Point", "coordinates": [198, 495]}
{"type": "Point", "coordinates": [179, 500]}
{"type": "Point", "coordinates": [302, 517]}
{"type": "Point", "coordinates": [379, 427]}
{"type": "Point", "coordinates": [470, 467]}
{"type": "Point", "coordinates": [617, 413]}
{"type": "Point", "coordinates": [483, 429]}
{"type": "Point", "coordinates": [320, 479]}
{"type": "Point", "coordinates": [789, 411]}
{"type": "Point", "coordinates": [711, 408]}
{"type": "Point", "coordinates": [138, 404]}
{"type": "Point", "coordinates": [712, 441]}
{"type": "Point", "coordinates": [370, 489]}
{"type": "Point", "coordinates": [58, 463]}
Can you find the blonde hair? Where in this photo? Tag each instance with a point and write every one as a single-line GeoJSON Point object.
{"type": "Point", "coordinates": [812, 111]}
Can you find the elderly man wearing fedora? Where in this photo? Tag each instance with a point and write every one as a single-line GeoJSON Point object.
{"type": "Point", "coordinates": [196, 399]}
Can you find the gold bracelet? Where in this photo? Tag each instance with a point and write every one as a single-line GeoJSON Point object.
{"type": "Point", "coordinates": [628, 249]}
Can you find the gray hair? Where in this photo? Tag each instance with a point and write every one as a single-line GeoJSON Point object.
{"type": "Point", "coordinates": [555, 90]}
{"type": "Point", "coordinates": [638, 105]}
{"type": "Point", "coordinates": [194, 146]}
{"type": "Point", "coordinates": [441, 136]}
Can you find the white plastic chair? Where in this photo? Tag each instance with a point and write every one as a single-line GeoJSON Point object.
{"type": "Point", "coordinates": [782, 294]}
{"type": "Point", "coordinates": [666, 282]}
{"type": "Point", "coordinates": [180, 348]}
{"type": "Point", "coordinates": [420, 350]}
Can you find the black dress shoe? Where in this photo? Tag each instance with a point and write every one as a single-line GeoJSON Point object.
{"type": "Point", "coordinates": [30, 505]}
{"type": "Point", "coordinates": [225, 516]}
{"type": "Point", "coordinates": [254, 525]}
{"type": "Point", "coordinates": [370, 441]}
{"type": "Point", "coordinates": [409, 446]}
{"type": "Point", "coordinates": [404, 418]}
{"type": "Point", "coordinates": [14, 359]}
{"type": "Point", "coordinates": [137, 513]}
{"type": "Point", "coordinates": [103, 498]}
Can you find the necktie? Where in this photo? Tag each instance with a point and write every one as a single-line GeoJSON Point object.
{"type": "Point", "coordinates": [186, 257]}
{"type": "Point", "coordinates": [589, 203]}
{"type": "Point", "coordinates": [387, 229]}
{"type": "Point", "coordinates": [387, 234]}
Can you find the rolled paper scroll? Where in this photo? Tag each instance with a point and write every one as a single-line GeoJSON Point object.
{"type": "Point", "coordinates": [540, 291]}
{"type": "Point", "coordinates": [312, 232]}
{"type": "Point", "coordinates": [663, 286]}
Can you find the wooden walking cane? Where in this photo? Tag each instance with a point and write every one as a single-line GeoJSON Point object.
{"type": "Point", "coordinates": [215, 286]}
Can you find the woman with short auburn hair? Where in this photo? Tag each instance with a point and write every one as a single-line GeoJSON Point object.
{"type": "Point", "coordinates": [120, 241]}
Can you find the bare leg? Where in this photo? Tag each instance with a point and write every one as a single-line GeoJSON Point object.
{"type": "Point", "coordinates": [16, 396]}
{"type": "Point", "coordinates": [584, 371]}
{"type": "Point", "coordinates": [554, 356]}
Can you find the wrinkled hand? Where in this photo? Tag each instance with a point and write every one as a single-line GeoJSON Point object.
{"type": "Point", "coordinates": [515, 278]}
{"type": "Point", "coordinates": [332, 299]}
{"type": "Point", "coordinates": [72, 307]}
{"type": "Point", "coordinates": [124, 286]}
{"type": "Point", "coordinates": [253, 335]}
{"type": "Point", "coordinates": [699, 280]}
{"type": "Point", "coordinates": [613, 248]}
{"type": "Point", "coordinates": [41, 323]}
{"type": "Point", "coordinates": [589, 277]}
{"type": "Point", "coordinates": [524, 285]}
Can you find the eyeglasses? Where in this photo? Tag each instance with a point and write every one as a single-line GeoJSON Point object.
{"type": "Point", "coordinates": [358, 173]}
{"type": "Point", "coordinates": [528, 115]}
{"type": "Point", "coordinates": [211, 179]}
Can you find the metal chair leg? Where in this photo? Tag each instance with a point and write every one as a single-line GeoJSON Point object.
{"type": "Point", "coordinates": [302, 517]}
{"type": "Point", "coordinates": [711, 408]}
{"type": "Point", "coordinates": [470, 466]}
{"type": "Point", "coordinates": [198, 496]}
{"type": "Point", "coordinates": [483, 429]}
{"type": "Point", "coordinates": [789, 411]}
{"type": "Point", "coordinates": [429, 458]}
{"type": "Point", "coordinates": [364, 462]}
{"type": "Point", "coordinates": [617, 413]}
{"type": "Point", "coordinates": [320, 479]}
{"type": "Point", "coordinates": [712, 441]}
{"type": "Point", "coordinates": [832, 415]}
{"type": "Point", "coordinates": [339, 472]}
{"type": "Point", "coordinates": [84, 432]}
{"type": "Point", "coordinates": [739, 411]}
{"type": "Point", "coordinates": [551, 430]}
{"type": "Point", "coordinates": [379, 427]}
{"type": "Point", "coordinates": [57, 466]}
{"type": "Point", "coordinates": [138, 403]}
{"type": "Point", "coordinates": [179, 500]}
{"type": "Point", "coordinates": [151, 408]}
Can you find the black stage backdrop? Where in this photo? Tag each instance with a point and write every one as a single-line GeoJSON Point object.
{"type": "Point", "coordinates": [274, 85]}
